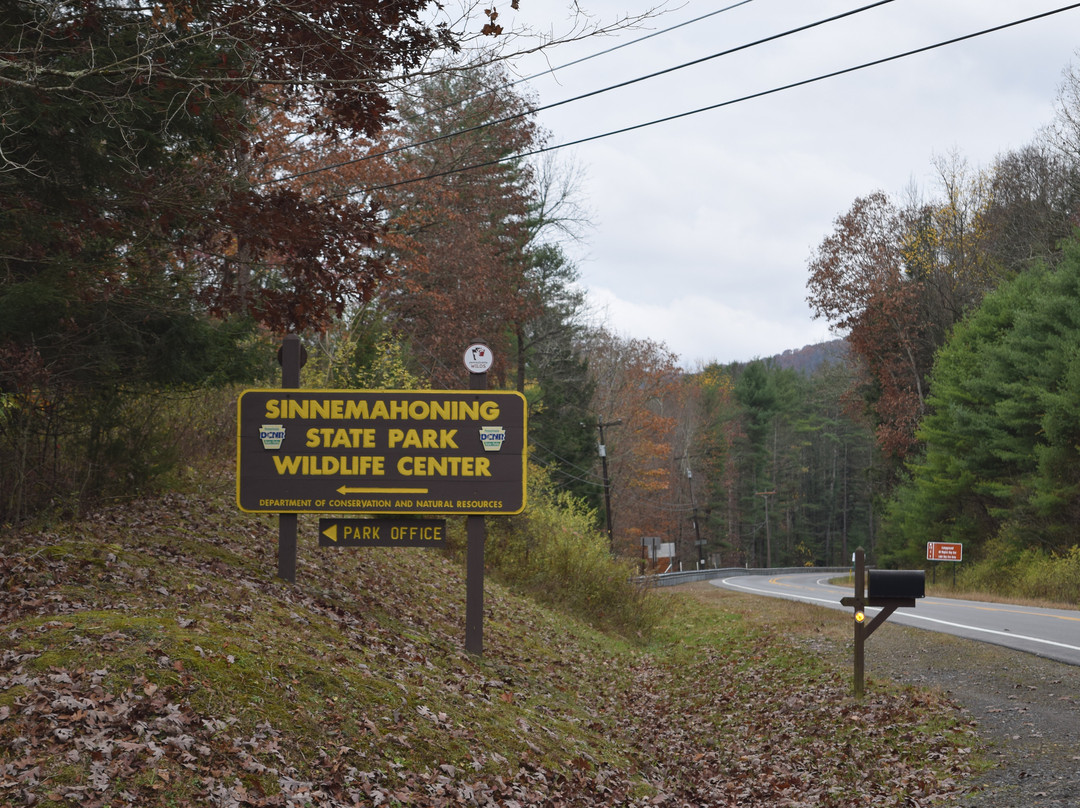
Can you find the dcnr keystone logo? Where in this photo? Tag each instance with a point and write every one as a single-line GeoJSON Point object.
{"type": "Point", "coordinates": [492, 438]}
{"type": "Point", "coordinates": [271, 435]}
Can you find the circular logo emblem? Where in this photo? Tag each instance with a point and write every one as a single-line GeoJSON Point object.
{"type": "Point", "coordinates": [478, 358]}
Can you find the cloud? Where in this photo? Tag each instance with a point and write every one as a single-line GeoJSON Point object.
{"type": "Point", "coordinates": [705, 224]}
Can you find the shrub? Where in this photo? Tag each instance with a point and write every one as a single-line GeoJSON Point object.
{"type": "Point", "coordinates": [554, 552]}
{"type": "Point", "coordinates": [1010, 570]}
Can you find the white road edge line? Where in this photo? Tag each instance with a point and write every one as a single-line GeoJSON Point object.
{"type": "Point", "coordinates": [992, 631]}
{"type": "Point", "coordinates": [756, 591]}
{"type": "Point", "coordinates": [806, 598]}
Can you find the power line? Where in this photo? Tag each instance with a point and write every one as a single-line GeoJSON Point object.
{"type": "Point", "coordinates": [636, 501]}
{"type": "Point", "coordinates": [592, 479]}
{"type": "Point", "coordinates": [711, 107]}
{"type": "Point", "coordinates": [582, 97]}
{"type": "Point", "coordinates": [605, 52]}
{"type": "Point", "coordinates": [514, 83]}
{"type": "Point", "coordinates": [640, 39]}
{"type": "Point", "coordinates": [561, 471]}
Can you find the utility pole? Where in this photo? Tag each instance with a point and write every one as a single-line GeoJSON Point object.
{"type": "Point", "coordinates": [697, 531]}
{"type": "Point", "coordinates": [768, 533]}
{"type": "Point", "coordinates": [607, 484]}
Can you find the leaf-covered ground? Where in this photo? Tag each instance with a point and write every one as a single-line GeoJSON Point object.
{"type": "Point", "coordinates": [148, 656]}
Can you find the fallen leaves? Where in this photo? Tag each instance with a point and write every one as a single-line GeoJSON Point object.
{"type": "Point", "coordinates": [152, 659]}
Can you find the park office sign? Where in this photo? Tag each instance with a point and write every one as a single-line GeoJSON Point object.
{"type": "Point", "coordinates": [381, 452]}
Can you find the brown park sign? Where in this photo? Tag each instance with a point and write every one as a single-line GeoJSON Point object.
{"type": "Point", "coordinates": [944, 551]}
{"type": "Point", "coordinates": [381, 452]}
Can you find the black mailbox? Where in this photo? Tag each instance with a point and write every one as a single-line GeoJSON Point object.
{"type": "Point", "coordinates": [891, 586]}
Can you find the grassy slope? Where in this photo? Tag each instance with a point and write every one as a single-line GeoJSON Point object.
{"type": "Point", "coordinates": [148, 656]}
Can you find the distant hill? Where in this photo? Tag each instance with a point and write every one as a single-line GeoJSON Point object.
{"type": "Point", "coordinates": [809, 358]}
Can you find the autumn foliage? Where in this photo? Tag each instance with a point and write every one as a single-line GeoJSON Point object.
{"type": "Point", "coordinates": [858, 282]}
{"type": "Point", "coordinates": [639, 384]}
{"type": "Point", "coordinates": [459, 211]}
{"type": "Point", "coordinates": [152, 228]}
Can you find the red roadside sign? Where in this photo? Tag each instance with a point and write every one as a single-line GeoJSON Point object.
{"type": "Point", "coordinates": [944, 551]}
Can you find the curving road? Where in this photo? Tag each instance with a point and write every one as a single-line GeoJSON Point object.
{"type": "Point", "coordinates": [1051, 633]}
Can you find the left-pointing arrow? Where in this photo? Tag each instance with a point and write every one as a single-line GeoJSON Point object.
{"type": "Point", "coordinates": [331, 533]}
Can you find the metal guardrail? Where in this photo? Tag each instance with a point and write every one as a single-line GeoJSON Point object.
{"type": "Point", "coordinates": [690, 576]}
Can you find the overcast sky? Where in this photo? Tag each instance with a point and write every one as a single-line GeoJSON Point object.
{"type": "Point", "coordinates": [704, 225]}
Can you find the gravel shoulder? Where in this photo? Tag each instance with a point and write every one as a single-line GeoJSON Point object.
{"type": "Point", "coordinates": [1026, 708]}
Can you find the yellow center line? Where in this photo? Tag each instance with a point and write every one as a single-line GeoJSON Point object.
{"type": "Point", "coordinates": [1003, 609]}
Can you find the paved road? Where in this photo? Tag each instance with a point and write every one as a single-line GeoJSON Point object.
{"type": "Point", "coordinates": [1051, 633]}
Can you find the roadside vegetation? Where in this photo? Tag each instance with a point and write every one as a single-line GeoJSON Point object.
{"type": "Point", "coordinates": [149, 657]}
{"type": "Point", "coordinates": [1031, 574]}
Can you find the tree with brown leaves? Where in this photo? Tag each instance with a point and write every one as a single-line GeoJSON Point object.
{"type": "Point", "coordinates": [858, 282]}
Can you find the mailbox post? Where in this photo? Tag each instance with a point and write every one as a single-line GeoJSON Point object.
{"type": "Point", "coordinates": [888, 590]}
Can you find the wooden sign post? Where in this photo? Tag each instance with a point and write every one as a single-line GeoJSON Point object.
{"type": "Point", "coordinates": [477, 362]}
{"type": "Point", "coordinates": [291, 358]}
